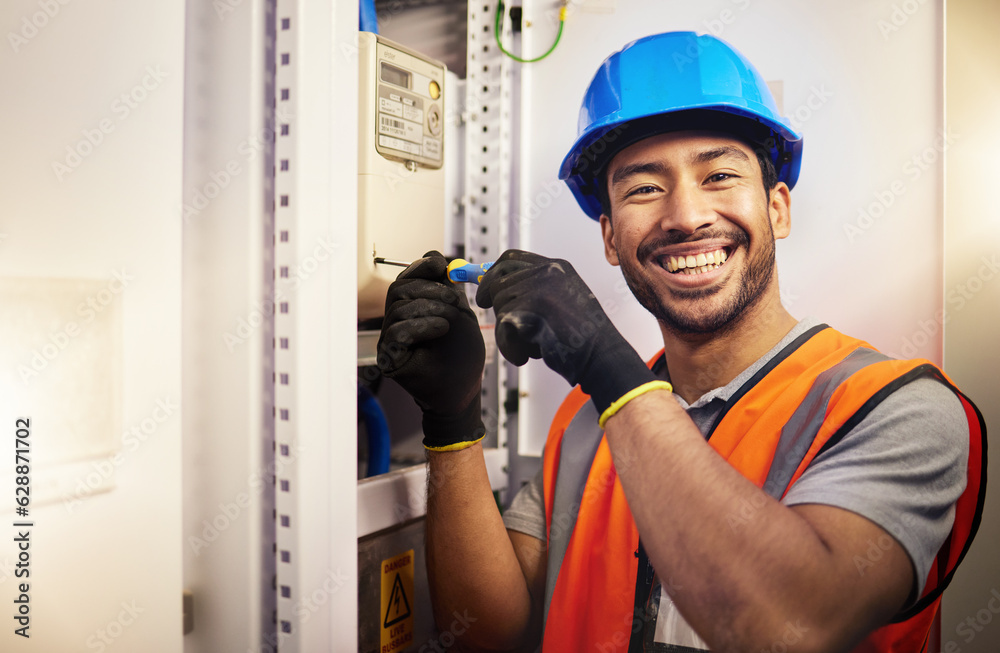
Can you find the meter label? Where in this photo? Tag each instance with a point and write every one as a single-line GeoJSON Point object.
{"type": "Point", "coordinates": [432, 148]}
{"type": "Point", "coordinates": [400, 129]}
{"type": "Point", "coordinates": [396, 144]}
{"type": "Point", "coordinates": [414, 114]}
{"type": "Point", "coordinates": [392, 107]}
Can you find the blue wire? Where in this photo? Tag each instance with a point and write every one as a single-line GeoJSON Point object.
{"type": "Point", "coordinates": [367, 18]}
{"type": "Point", "coordinates": [378, 431]}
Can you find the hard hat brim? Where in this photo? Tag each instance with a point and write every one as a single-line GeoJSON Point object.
{"type": "Point", "coordinates": [583, 166]}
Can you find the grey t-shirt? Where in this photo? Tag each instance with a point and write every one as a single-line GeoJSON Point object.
{"type": "Point", "coordinates": [903, 466]}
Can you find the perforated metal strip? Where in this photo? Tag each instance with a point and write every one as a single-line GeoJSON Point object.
{"type": "Point", "coordinates": [488, 174]}
{"type": "Point", "coordinates": [268, 605]}
{"type": "Point", "coordinates": [286, 526]}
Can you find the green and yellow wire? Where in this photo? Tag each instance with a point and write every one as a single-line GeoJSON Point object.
{"type": "Point", "coordinates": [498, 24]}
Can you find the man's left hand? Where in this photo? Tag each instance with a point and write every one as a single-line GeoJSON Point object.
{"type": "Point", "coordinates": [545, 310]}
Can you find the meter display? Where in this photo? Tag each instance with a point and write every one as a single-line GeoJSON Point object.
{"type": "Point", "coordinates": [395, 76]}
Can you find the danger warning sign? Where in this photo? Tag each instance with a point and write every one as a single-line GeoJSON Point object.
{"type": "Point", "coordinates": [397, 602]}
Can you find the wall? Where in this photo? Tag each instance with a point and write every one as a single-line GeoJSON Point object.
{"type": "Point", "coordinates": [972, 296]}
{"type": "Point", "coordinates": [90, 183]}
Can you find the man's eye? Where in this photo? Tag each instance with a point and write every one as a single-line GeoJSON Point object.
{"type": "Point", "coordinates": [641, 190]}
{"type": "Point", "coordinates": [720, 176]}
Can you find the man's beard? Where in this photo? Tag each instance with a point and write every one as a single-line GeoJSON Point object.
{"type": "Point", "coordinates": [753, 283]}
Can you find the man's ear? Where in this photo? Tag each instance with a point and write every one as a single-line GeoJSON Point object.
{"type": "Point", "coordinates": [608, 233]}
{"type": "Point", "coordinates": [779, 210]}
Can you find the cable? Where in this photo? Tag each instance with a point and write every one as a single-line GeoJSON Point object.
{"type": "Point", "coordinates": [377, 427]}
{"type": "Point", "coordinates": [498, 23]}
{"type": "Point", "coordinates": [367, 16]}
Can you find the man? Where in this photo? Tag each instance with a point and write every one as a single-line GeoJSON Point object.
{"type": "Point", "coordinates": [765, 484]}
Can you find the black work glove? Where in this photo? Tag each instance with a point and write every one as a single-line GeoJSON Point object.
{"type": "Point", "coordinates": [431, 345]}
{"type": "Point", "coordinates": [545, 310]}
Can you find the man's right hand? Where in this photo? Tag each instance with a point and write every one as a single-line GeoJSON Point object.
{"type": "Point", "coordinates": [431, 345]}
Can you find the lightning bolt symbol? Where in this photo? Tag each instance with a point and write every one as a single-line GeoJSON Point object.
{"type": "Point", "coordinates": [397, 602]}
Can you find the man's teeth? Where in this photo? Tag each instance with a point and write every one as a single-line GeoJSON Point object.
{"type": "Point", "coordinates": [696, 263]}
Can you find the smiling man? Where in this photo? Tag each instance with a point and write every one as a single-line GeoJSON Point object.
{"type": "Point", "coordinates": [765, 483]}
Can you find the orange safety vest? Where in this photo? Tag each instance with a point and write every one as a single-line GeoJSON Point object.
{"type": "Point", "coordinates": [770, 431]}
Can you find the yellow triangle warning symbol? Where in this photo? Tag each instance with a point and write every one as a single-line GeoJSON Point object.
{"type": "Point", "coordinates": [399, 607]}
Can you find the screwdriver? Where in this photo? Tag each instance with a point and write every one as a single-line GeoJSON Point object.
{"type": "Point", "coordinates": [459, 270]}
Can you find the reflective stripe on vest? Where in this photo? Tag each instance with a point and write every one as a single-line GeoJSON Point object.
{"type": "Point", "coordinates": [802, 402]}
{"type": "Point", "coordinates": [574, 465]}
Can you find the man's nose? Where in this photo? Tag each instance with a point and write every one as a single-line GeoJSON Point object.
{"type": "Point", "coordinates": [687, 209]}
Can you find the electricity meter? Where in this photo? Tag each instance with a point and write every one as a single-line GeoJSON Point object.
{"type": "Point", "coordinates": [401, 182]}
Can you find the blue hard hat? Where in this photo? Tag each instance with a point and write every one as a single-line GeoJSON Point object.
{"type": "Point", "coordinates": [668, 82]}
